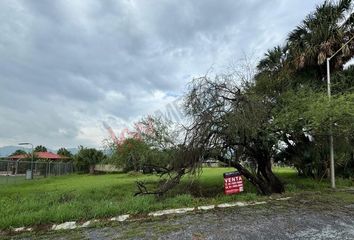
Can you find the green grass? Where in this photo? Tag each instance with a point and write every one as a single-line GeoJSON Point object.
{"type": "Point", "coordinates": [294, 183]}
{"type": "Point", "coordinates": [16, 179]}
{"type": "Point", "coordinates": [81, 197]}
{"type": "Point", "coordinates": [11, 180]}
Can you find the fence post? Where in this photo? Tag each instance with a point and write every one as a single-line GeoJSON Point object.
{"type": "Point", "coordinates": [7, 172]}
{"type": "Point", "coordinates": [16, 170]}
{"type": "Point", "coordinates": [7, 168]}
{"type": "Point", "coordinates": [46, 168]}
{"type": "Point", "coordinates": [35, 169]}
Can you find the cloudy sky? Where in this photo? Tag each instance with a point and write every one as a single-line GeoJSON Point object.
{"type": "Point", "coordinates": [67, 66]}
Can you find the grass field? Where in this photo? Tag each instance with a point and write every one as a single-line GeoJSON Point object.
{"type": "Point", "coordinates": [16, 179]}
{"type": "Point", "coordinates": [81, 197]}
{"type": "Point", "coordinates": [11, 179]}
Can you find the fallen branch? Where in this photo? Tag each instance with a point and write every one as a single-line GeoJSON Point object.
{"type": "Point", "coordinates": [165, 187]}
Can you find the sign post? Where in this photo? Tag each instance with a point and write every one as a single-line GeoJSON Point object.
{"type": "Point", "coordinates": [233, 183]}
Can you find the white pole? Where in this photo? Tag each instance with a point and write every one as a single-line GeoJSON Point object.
{"type": "Point", "coordinates": [32, 161]}
{"type": "Point", "coordinates": [333, 180]}
{"type": "Point", "coordinates": [328, 79]}
{"type": "Point", "coordinates": [331, 150]}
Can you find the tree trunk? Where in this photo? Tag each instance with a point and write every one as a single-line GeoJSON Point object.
{"type": "Point", "coordinates": [266, 181]}
{"type": "Point", "coordinates": [271, 180]}
{"type": "Point", "coordinates": [260, 186]}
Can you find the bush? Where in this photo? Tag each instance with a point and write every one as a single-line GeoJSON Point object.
{"type": "Point", "coordinates": [137, 155]}
{"type": "Point", "coordinates": [86, 159]}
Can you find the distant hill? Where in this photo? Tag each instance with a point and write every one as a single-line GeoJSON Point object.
{"type": "Point", "coordinates": [7, 150]}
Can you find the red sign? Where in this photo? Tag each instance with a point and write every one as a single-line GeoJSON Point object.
{"type": "Point", "coordinates": [233, 183]}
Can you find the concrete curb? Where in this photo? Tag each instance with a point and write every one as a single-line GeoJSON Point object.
{"type": "Point", "coordinates": [122, 218]}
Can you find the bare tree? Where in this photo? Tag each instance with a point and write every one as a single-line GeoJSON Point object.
{"type": "Point", "coordinates": [233, 125]}
{"type": "Point", "coordinates": [228, 123]}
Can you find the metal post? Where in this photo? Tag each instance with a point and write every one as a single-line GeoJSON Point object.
{"type": "Point", "coordinates": [333, 180]}
{"type": "Point", "coordinates": [7, 168]}
{"type": "Point", "coordinates": [32, 162]}
{"type": "Point", "coordinates": [7, 175]}
{"type": "Point", "coordinates": [35, 167]}
{"type": "Point", "coordinates": [46, 168]}
{"type": "Point", "coordinates": [27, 143]}
{"type": "Point", "coordinates": [328, 79]}
{"type": "Point", "coordinates": [7, 172]}
{"type": "Point", "coordinates": [333, 183]}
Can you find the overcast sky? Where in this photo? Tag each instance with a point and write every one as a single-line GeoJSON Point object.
{"type": "Point", "coordinates": [67, 66]}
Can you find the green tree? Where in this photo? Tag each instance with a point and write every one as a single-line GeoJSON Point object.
{"type": "Point", "coordinates": [87, 158]}
{"type": "Point", "coordinates": [305, 117]}
{"type": "Point", "coordinates": [40, 148]}
{"type": "Point", "coordinates": [131, 154]}
{"type": "Point", "coordinates": [292, 77]}
{"type": "Point", "coordinates": [64, 152]}
{"type": "Point", "coordinates": [302, 59]}
{"type": "Point", "coordinates": [18, 152]}
{"type": "Point", "coordinates": [320, 35]}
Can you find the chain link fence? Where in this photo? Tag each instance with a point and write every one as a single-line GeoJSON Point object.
{"type": "Point", "coordinates": [12, 172]}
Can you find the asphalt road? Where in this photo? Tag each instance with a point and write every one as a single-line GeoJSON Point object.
{"type": "Point", "coordinates": [294, 219]}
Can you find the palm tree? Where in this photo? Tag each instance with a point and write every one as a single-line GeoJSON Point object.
{"type": "Point", "coordinates": [273, 61]}
{"type": "Point", "coordinates": [40, 148]}
{"type": "Point", "coordinates": [64, 152]}
{"type": "Point", "coordinates": [320, 35]}
{"type": "Point", "coordinates": [273, 71]}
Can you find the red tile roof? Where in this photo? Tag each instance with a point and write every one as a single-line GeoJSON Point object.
{"type": "Point", "coordinates": [42, 155]}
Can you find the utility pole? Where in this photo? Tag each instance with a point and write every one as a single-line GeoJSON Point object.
{"type": "Point", "coordinates": [331, 148]}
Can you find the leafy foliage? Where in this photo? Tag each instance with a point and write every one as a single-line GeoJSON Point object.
{"type": "Point", "coordinates": [320, 35]}
{"type": "Point", "coordinates": [18, 152]}
{"type": "Point", "coordinates": [131, 154]}
{"type": "Point", "coordinates": [86, 159]}
{"type": "Point", "coordinates": [40, 148]}
{"type": "Point", "coordinates": [303, 118]}
{"type": "Point", "coordinates": [64, 152]}
{"type": "Point", "coordinates": [136, 155]}
{"type": "Point", "coordinates": [293, 77]}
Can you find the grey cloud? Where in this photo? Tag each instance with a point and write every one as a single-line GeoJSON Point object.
{"type": "Point", "coordinates": [67, 65]}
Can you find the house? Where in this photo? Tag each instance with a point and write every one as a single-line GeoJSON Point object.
{"type": "Point", "coordinates": [45, 163]}
{"type": "Point", "coordinates": [39, 155]}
